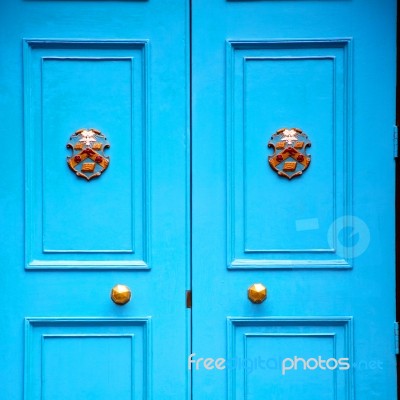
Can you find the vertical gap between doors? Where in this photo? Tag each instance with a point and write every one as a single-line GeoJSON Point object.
{"type": "Point", "coordinates": [398, 196]}
{"type": "Point", "coordinates": [191, 181]}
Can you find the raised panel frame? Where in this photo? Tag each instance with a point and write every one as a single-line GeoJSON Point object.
{"type": "Point", "coordinates": [37, 256]}
{"type": "Point", "coordinates": [40, 329]}
{"type": "Point", "coordinates": [240, 329]}
{"type": "Point", "coordinates": [239, 255]}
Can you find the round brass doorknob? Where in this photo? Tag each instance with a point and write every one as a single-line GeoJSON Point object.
{"type": "Point", "coordinates": [121, 294]}
{"type": "Point", "coordinates": [257, 293]}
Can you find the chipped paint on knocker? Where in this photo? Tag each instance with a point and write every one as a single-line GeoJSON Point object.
{"type": "Point", "coordinates": [88, 159]}
{"type": "Point", "coordinates": [290, 158]}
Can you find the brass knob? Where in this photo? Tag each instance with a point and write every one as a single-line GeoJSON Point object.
{"type": "Point", "coordinates": [257, 293]}
{"type": "Point", "coordinates": [121, 294]}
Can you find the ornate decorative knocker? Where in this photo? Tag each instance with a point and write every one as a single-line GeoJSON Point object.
{"type": "Point", "coordinates": [290, 158]}
{"type": "Point", "coordinates": [88, 159]}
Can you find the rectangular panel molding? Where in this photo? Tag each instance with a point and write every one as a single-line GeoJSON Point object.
{"type": "Point", "coordinates": [273, 222]}
{"type": "Point", "coordinates": [72, 223]}
{"type": "Point", "coordinates": [261, 354]}
{"type": "Point", "coordinates": [77, 358]}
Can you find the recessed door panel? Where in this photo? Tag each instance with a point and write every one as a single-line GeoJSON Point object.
{"type": "Point", "coordinates": [83, 358]}
{"type": "Point", "coordinates": [260, 346]}
{"type": "Point", "coordinates": [101, 85]}
{"type": "Point", "coordinates": [273, 222]}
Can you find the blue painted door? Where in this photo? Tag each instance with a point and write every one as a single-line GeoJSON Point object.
{"type": "Point", "coordinates": [119, 68]}
{"type": "Point", "coordinates": [322, 243]}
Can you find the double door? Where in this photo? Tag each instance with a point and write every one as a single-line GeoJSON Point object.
{"type": "Point", "coordinates": [195, 117]}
